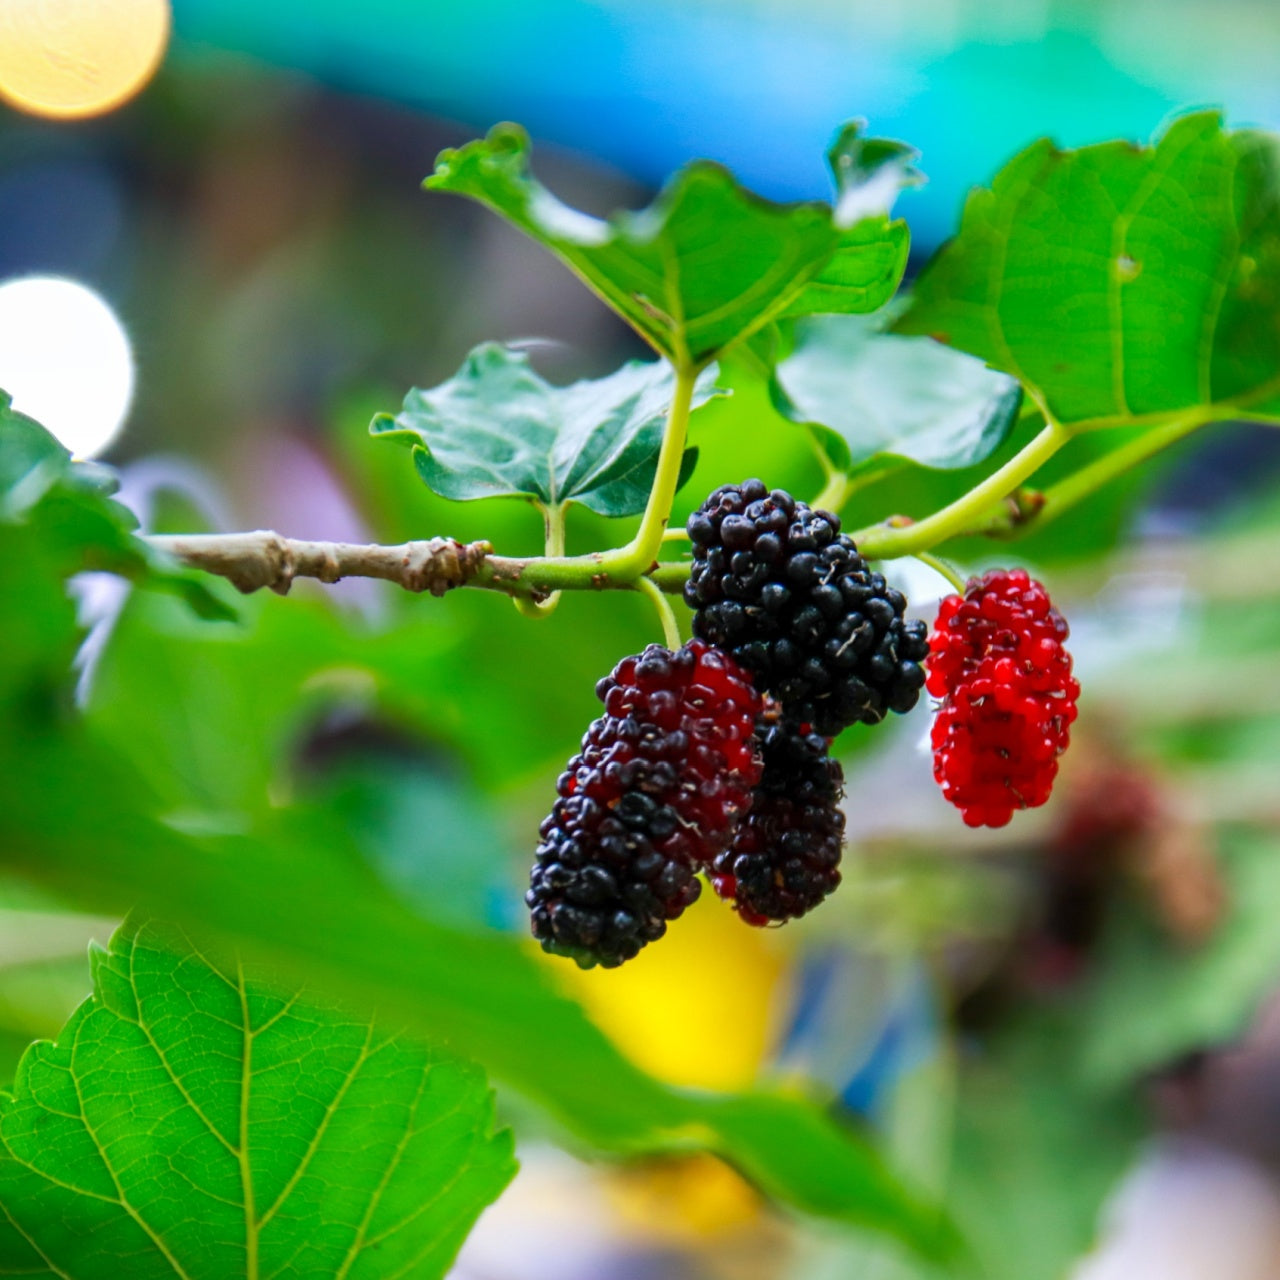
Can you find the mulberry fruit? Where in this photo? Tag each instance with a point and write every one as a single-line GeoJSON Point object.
{"type": "Point", "coordinates": [778, 586]}
{"type": "Point", "coordinates": [998, 664]}
{"type": "Point", "coordinates": [656, 792]}
{"type": "Point", "coordinates": [785, 858]}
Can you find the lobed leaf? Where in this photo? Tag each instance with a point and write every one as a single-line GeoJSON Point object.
{"type": "Point", "coordinates": [708, 263]}
{"type": "Point", "coordinates": [201, 1122]}
{"type": "Point", "coordinates": [497, 429]}
{"type": "Point", "coordinates": [1122, 284]}
{"type": "Point", "coordinates": [882, 395]}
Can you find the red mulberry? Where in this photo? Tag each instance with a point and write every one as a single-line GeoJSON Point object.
{"type": "Point", "coordinates": [657, 791]}
{"type": "Point", "coordinates": [998, 664]}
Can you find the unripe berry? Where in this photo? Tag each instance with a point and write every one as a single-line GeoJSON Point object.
{"type": "Point", "coordinates": [998, 663]}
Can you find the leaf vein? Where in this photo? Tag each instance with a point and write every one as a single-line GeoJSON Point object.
{"type": "Point", "coordinates": [154, 1235]}
{"type": "Point", "coordinates": [1213, 315]}
{"type": "Point", "coordinates": [26, 1235]}
{"type": "Point", "coordinates": [141, 1024]}
{"type": "Point", "coordinates": [358, 1242]}
{"type": "Point", "coordinates": [1161, 162]}
{"type": "Point", "coordinates": [364, 1055]}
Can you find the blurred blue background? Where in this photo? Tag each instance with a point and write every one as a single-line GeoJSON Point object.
{"type": "Point", "coordinates": [759, 84]}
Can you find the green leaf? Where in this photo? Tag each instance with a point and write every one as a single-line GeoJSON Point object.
{"type": "Point", "coordinates": [497, 429]}
{"type": "Point", "coordinates": [869, 173]}
{"type": "Point", "coordinates": [71, 504]}
{"type": "Point", "coordinates": [44, 971]}
{"type": "Point", "coordinates": [1122, 283]}
{"type": "Point", "coordinates": [886, 395]}
{"type": "Point", "coordinates": [708, 263]}
{"type": "Point", "coordinates": [201, 1122]}
{"type": "Point", "coordinates": [33, 462]}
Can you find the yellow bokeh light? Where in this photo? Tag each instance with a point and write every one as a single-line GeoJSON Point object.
{"type": "Point", "coordinates": [696, 1010]}
{"type": "Point", "coordinates": [73, 58]}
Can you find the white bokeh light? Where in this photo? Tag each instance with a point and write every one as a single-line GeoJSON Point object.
{"type": "Point", "coordinates": [65, 360]}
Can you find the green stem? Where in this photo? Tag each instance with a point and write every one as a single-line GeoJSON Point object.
{"type": "Point", "coordinates": [265, 559]}
{"type": "Point", "coordinates": [829, 468]}
{"type": "Point", "coordinates": [553, 539]}
{"type": "Point", "coordinates": [623, 565]}
{"type": "Point", "coordinates": [642, 551]}
{"type": "Point", "coordinates": [945, 568]}
{"type": "Point", "coordinates": [841, 486]}
{"type": "Point", "coordinates": [670, 576]}
{"type": "Point", "coordinates": [1064, 495]}
{"type": "Point", "coordinates": [835, 493]}
{"type": "Point", "coordinates": [885, 541]}
{"type": "Point", "coordinates": [670, 628]}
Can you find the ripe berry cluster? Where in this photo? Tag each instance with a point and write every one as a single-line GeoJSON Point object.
{"type": "Point", "coordinates": [998, 664]}
{"type": "Point", "coordinates": [715, 758]}
{"type": "Point", "coordinates": [690, 769]}
{"type": "Point", "coordinates": [654, 795]}
{"type": "Point", "coordinates": [778, 586]}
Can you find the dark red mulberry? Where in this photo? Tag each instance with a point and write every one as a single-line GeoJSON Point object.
{"type": "Point", "coordinates": [785, 857]}
{"type": "Point", "coordinates": [778, 586]}
{"type": "Point", "coordinates": [998, 663]}
{"type": "Point", "coordinates": [657, 791]}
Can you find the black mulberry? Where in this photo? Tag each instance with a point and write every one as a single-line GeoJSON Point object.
{"type": "Point", "coordinates": [778, 586]}
{"type": "Point", "coordinates": [657, 792]}
{"type": "Point", "coordinates": [785, 857]}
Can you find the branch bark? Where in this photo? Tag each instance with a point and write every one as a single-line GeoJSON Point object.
{"type": "Point", "coordinates": [251, 561]}
{"type": "Point", "coordinates": [263, 558]}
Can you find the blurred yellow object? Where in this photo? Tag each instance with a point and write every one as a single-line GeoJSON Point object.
{"type": "Point", "coordinates": [694, 1008]}
{"type": "Point", "coordinates": [73, 58]}
{"type": "Point", "coordinates": [690, 1199]}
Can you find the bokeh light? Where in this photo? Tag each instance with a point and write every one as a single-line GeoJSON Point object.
{"type": "Point", "coordinates": [74, 58]}
{"type": "Point", "coordinates": [65, 360]}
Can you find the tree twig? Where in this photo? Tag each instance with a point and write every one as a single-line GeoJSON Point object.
{"type": "Point", "coordinates": [263, 558]}
{"type": "Point", "coordinates": [251, 561]}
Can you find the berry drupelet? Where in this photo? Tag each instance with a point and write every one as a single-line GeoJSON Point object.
{"type": "Point", "coordinates": [656, 791]}
{"type": "Point", "coordinates": [785, 857]}
{"type": "Point", "coordinates": [778, 586]}
{"type": "Point", "coordinates": [998, 663]}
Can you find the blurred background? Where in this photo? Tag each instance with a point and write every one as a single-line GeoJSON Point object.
{"type": "Point", "coordinates": [216, 264]}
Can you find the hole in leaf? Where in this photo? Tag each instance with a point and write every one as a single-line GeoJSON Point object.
{"type": "Point", "coordinates": [1127, 268]}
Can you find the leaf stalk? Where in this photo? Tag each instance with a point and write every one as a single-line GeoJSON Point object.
{"type": "Point", "coordinates": [945, 568]}
{"type": "Point", "coordinates": [636, 558]}
{"type": "Point", "coordinates": [553, 541]}
{"type": "Point", "coordinates": [666, 615]}
{"type": "Point", "coordinates": [888, 541]}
